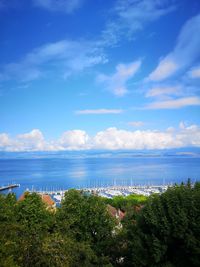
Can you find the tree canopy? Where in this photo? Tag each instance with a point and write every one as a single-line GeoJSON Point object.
{"type": "Point", "coordinates": [167, 230]}
{"type": "Point", "coordinates": [162, 230]}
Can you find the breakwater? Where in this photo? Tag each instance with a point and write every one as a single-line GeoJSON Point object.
{"type": "Point", "coordinates": [10, 186]}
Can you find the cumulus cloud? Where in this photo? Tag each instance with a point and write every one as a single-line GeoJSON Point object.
{"type": "Point", "coordinates": [66, 56]}
{"type": "Point", "coordinates": [111, 139]}
{"type": "Point", "coordinates": [67, 6]}
{"type": "Point", "coordinates": [98, 111]}
{"type": "Point", "coordinates": [4, 140]}
{"type": "Point", "coordinates": [175, 103]}
{"type": "Point", "coordinates": [32, 141]}
{"type": "Point", "coordinates": [130, 16]}
{"type": "Point", "coordinates": [74, 140]}
{"type": "Point", "coordinates": [116, 83]}
{"type": "Point", "coordinates": [186, 51]}
{"type": "Point", "coordinates": [35, 141]}
{"type": "Point", "coordinates": [114, 138]}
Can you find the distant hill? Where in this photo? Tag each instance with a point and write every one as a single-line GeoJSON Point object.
{"type": "Point", "coordinates": [175, 152]}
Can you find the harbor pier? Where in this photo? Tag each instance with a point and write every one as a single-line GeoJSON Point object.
{"type": "Point", "coordinates": [10, 186]}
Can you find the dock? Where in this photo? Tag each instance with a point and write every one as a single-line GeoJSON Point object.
{"type": "Point", "coordinates": [10, 186]}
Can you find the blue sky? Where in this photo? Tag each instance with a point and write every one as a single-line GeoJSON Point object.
{"type": "Point", "coordinates": [85, 74]}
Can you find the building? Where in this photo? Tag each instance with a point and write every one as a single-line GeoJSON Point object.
{"type": "Point", "coordinates": [115, 213]}
{"type": "Point", "coordinates": [46, 199]}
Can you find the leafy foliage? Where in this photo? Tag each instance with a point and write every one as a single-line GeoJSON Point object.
{"type": "Point", "coordinates": [163, 230]}
{"type": "Point", "coordinates": [86, 219]}
{"type": "Point", "coordinates": [167, 230]}
{"type": "Point", "coordinates": [126, 202]}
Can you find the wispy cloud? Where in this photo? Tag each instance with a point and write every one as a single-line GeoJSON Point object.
{"type": "Point", "coordinates": [67, 6]}
{"type": "Point", "coordinates": [5, 4]}
{"type": "Point", "coordinates": [98, 111]}
{"type": "Point", "coordinates": [127, 17]}
{"type": "Point", "coordinates": [160, 91]}
{"type": "Point", "coordinates": [117, 83]}
{"type": "Point", "coordinates": [166, 68]}
{"type": "Point", "coordinates": [111, 139]}
{"type": "Point", "coordinates": [66, 57]}
{"type": "Point", "coordinates": [194, 72]}
{"type": "Point", "coordinates": [2, 4]}
{"type": "Point", "coordinates": [136, 123]}
{"type": "Point", "coordinates": [175, 103]}
{"type": "Point", "coordinates": [186, 51]}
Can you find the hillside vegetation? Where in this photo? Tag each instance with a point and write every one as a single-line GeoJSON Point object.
{"type": "Point", "coordinates": [162, 230]}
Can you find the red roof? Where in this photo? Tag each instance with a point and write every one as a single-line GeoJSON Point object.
{"type": "Point", "coordinates": [115, 213]}
{"type": "Point", "coordinates": [121, 214]}
{"type": "Point", "coordinates": [22, 197]}
{"type": "Point", "coordinates": [48, 200]}
{"type": "Point", "coordinates": [45, 198]}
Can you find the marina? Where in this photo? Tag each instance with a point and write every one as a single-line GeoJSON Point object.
{"type": "Point", "coordinates": [108, 192]}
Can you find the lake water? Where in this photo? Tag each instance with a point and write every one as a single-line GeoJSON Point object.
{"type": "Point", "coordinates": [64, 172]}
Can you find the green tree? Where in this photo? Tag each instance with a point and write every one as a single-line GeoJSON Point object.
{"type": "Point", "coordinates": [8, 226]}
{"type": "Point", "coordinates": [86, 219]}
{"type": "Point", "coordinates": [34, 222]}
{"type": "Point", "coordinates": [126, 202]}
{"type": "Point", "coordinates": [60, 251]}
{"type": "Point", "coordinates": [167, 230]}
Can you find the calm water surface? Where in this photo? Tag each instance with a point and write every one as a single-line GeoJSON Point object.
{"type": "Point", "coordinates": [62, 173]}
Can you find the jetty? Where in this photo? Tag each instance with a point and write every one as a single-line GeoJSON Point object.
{"type": "Point", "coordinates": [10, 186]}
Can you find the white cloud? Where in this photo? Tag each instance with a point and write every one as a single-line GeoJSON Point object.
{"type": "Point", "coordinates": [175, 103]}
{"type": "Point", "coordinates": [163, 91]}
{"type": "Point", "coordinates": [186, 51]}
{"type": "Point", "coordinates": [165, 68]}
{"type": "Point", "coordinates": [31, 141]}
{"type": "Point", "coordinates": [182, 125]}
{"type": "Point", "coordinates": [64, 57]}
{"type": "Point", "coordinates": [129, 16]}
{"type": "Point", "coordinates": [111, 138]}
{"type": "Point", "coordinates": [35, 141]}
{"type": "Point", "coordinates": [67, 6]}
{"type": "Point", "coordinates": [98, 111]}
{"type": "Point", "coordinates": [190, 135]}
{"type": "Point", "coordinates": [4, 140]}
{"type": "Point", "coordinates": [116, 83]}
{"type": "Point", "coordinates": [136, 123]}
{"type": "Point", "coordinates": [74, 140]}
{"type": "Point", "coordinates": [194, 72]}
